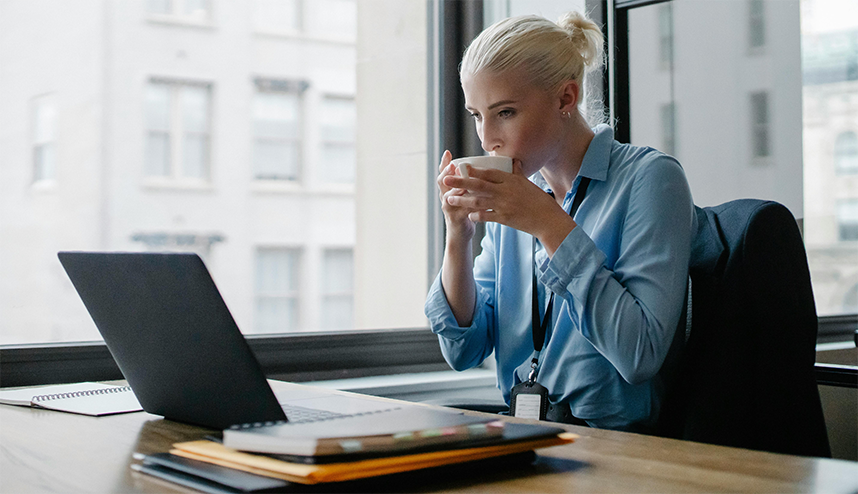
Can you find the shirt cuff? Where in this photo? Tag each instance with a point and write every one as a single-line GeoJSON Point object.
{"type": "Point", "coordinates": [574, 263]}
{"type": "Point", "coordinates": [441, 318]}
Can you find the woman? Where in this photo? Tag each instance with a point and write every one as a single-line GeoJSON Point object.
{"type": "Point", "coordinates": [617, 267]}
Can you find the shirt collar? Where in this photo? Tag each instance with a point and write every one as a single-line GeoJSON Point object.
{"type": "Point", "coordinates": [596, 159]}
{"type": "Point", "coordinates": [598, 155]}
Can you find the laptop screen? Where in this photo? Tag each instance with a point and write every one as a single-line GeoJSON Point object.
{"type": "Point", "coordinates": [173, 337]}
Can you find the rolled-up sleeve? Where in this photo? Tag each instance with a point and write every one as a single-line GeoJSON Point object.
{"type": "Point", "coordinates": [629, 310]}
{"type": "Point", "coordinates": [466, 347]}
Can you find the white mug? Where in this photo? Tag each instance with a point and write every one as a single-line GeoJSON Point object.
{"type": "Point", "coordinates": [502, 163]}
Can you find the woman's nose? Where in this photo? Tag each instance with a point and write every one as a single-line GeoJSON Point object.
{"type": "Point", "coordinates": [489, 139]}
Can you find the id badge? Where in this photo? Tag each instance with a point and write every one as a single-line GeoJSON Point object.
{"type": "Point", "coordinates": [528, 400]}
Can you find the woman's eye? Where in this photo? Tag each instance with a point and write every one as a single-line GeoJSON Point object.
{"type": "Point", "coordinates": [506, 113]}
{"type": "Point", "coordinates": [475, 116]}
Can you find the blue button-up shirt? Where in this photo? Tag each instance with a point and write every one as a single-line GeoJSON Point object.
{"type": "Point", "coordinates": [619, 280]}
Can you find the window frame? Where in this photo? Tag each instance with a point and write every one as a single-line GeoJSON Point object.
{"type": "Point", "coordinates": [358, 353]}
{"type": "Point", "coordinates": [177, 133]}
{"type": "Point", "coordinates": [282, 87]}
{"type": "Point", "coordinates": [303, 357]}
{"type": "Point", "coordinates": [616, 29]}
{"type": "Point", "coordinates": [38, 143]}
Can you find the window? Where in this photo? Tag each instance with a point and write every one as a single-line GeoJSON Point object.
{"type": "Point", "coordinates": [225, 143]}
{"type": "Point", "coordinates": [337, 298]}
{"type": "Point", "coordinates": [277, 290]}
{"type": "Point", "coordinates": [44, 130]}
{"type": "Point", "coordinates": [756, 24]}
{"type": "Point", "coordinates": [186, 10]}
{"type": "Point", "coordinates": [789, 107]}
{"type": "Point", "coordinates": [177, 121]}
{"type": "Point", "coordinates": [278, 16]}
{"type": "Point", "coordinates": [847, 220]}
{"type": "Point", "coordinates": [846, 153]}
{"type": "Point", "coordinates": [199, 244]}
{"type": "Point", "coordinates": [334, 19]}
{"type": "Point", "coordinates": [850, 300]}
{"type": "Point", "coordinates": [277, 130]}
{"type": "Point", "coordinates": [760, 124]}
{"type": "Point", "coordinates": [337, 134]}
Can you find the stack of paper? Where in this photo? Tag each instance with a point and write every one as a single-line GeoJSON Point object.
{"type": "Point", "coordinates": [218, 454]}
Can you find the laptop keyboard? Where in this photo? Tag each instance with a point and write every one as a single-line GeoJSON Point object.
{"type": "Point", "coordinates": [300, 414]}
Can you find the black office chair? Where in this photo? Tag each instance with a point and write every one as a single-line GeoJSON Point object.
{"type": "Point", "coordinates": [746, 375]}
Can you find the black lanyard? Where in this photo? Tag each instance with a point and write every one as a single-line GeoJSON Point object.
{"type": "Point", "coordinates": [539, 326]}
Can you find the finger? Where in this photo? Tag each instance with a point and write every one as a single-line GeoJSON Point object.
{"type": "Point", "coordinates": [445, 160]}
{"type": "Point", "coordinates": [488, 174]}
{"type": "Point", "coordinates": [516, 167]}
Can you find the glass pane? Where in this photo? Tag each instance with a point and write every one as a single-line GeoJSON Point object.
{"type": "Point", "coordinates": [159, 6]}
{"type": "Point", "coordinates": [846, 153]}
{"type": "Point", "coordinates": [45, 167]}
{"type": "Point", "coordinates": [157, 116]}
{"type": "Point", "coordinates": [158, 107]}
{"type": "Point", "coordinates": [157, 154]}
{"type": "Point", "coordinates": [338, 163]}
{"type": "Point", "coordinates": [195, 111]}
{"type": "Point", "coordinates": [276, 115]}
{"type": "Point", "coordinates": [198, 9]}
{"type": "Point", "coordinates": [337, 273]}
{"type": "Point", "coordinates": [758, 122]}
{"type": "Point", "coordinates": [829, 47]}
{"type": "Point", "coordinates": [338, 119]}
{"type": "Point", "coordinates": [276, 160]}
{"type": "Point", "coordinates": [44, 119]}
{"type": "Point", "coordinates": [276, 290]}
{"type": "Point", "coordinates": [276, 315]}
{"type": "Point", "coordinates": [725, 99]}
{"type": "Point", "coordinates": [195, 152]}
{"type": "Point", "coordinates": [276, 271]}
{"type": "Point", "coordinates": [336, 18]}
{"type": "Point", "coordinates": [337, 312]}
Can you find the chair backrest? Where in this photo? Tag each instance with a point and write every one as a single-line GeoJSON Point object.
{"type": "Point", "coordinates": [746, 375]}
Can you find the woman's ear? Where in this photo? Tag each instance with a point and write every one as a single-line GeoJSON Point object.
{"type": "Point", "coordinates": [569, 94]}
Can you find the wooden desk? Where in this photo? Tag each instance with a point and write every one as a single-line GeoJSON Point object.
{"type": "Point", "coordinates": [46, 451]}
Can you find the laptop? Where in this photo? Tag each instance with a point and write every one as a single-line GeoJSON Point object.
{"type": "Point", "coordinates": [172, 336]}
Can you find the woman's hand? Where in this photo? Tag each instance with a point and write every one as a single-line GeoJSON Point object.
{"type": "Point", "coordinates": [512, 200]}
{"type": "Point", "coordinates": [459, 225]}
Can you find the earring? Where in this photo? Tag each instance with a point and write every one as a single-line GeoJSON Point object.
{"type": "Point", "coordinates": [566, 114]}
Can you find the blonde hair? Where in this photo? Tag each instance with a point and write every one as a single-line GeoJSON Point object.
{"type": "Point", "coordinates": [551, 53]}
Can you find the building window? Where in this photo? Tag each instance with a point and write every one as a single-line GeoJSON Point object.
{"type": "Point", "coordinates": [760, 124]}
{"type": "Point", "coordinates": [756, 24]}
{"type": "Point", "coordinates": [333, 19]}
{"type": "Point", "coordinates": [850, 300]}
{"type": "Point", "coordinates": [665, 35]}
{"type": "Point", "coordinates": [198, 11]}
{"type": "Point", "coordinates": [338, 158]}
{"type": "Point", "coordinates": [200, 244]}
{"type": "Point", "coordinates": [277, 288]}
{"type": "Point", "coordinates": [668, 128]}
{"type": "Point", "coordinates": [44, 122]}
{"type": "Point", "coordinates": [177, 122]}
{"type": "Point", "coordinates": [337, 289]}
{"type": "Point", "coordinates": [277, 121]}
{"type": "Point", "coordinates": [278, 16]}
{"type": "Point", "coordinates": [846, 153]}
{"type": "Point", "coordinates": [847, 220]}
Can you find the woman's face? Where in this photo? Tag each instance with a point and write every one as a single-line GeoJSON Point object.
{"type": "Point", "coordinates": [513, 117]}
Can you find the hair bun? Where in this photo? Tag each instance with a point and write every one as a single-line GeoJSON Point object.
{"type": "Point", "coordinates": [586, 36]}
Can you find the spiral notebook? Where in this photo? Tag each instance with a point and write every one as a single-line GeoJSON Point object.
{"type": "Point", "coordinates": [87, 398]}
